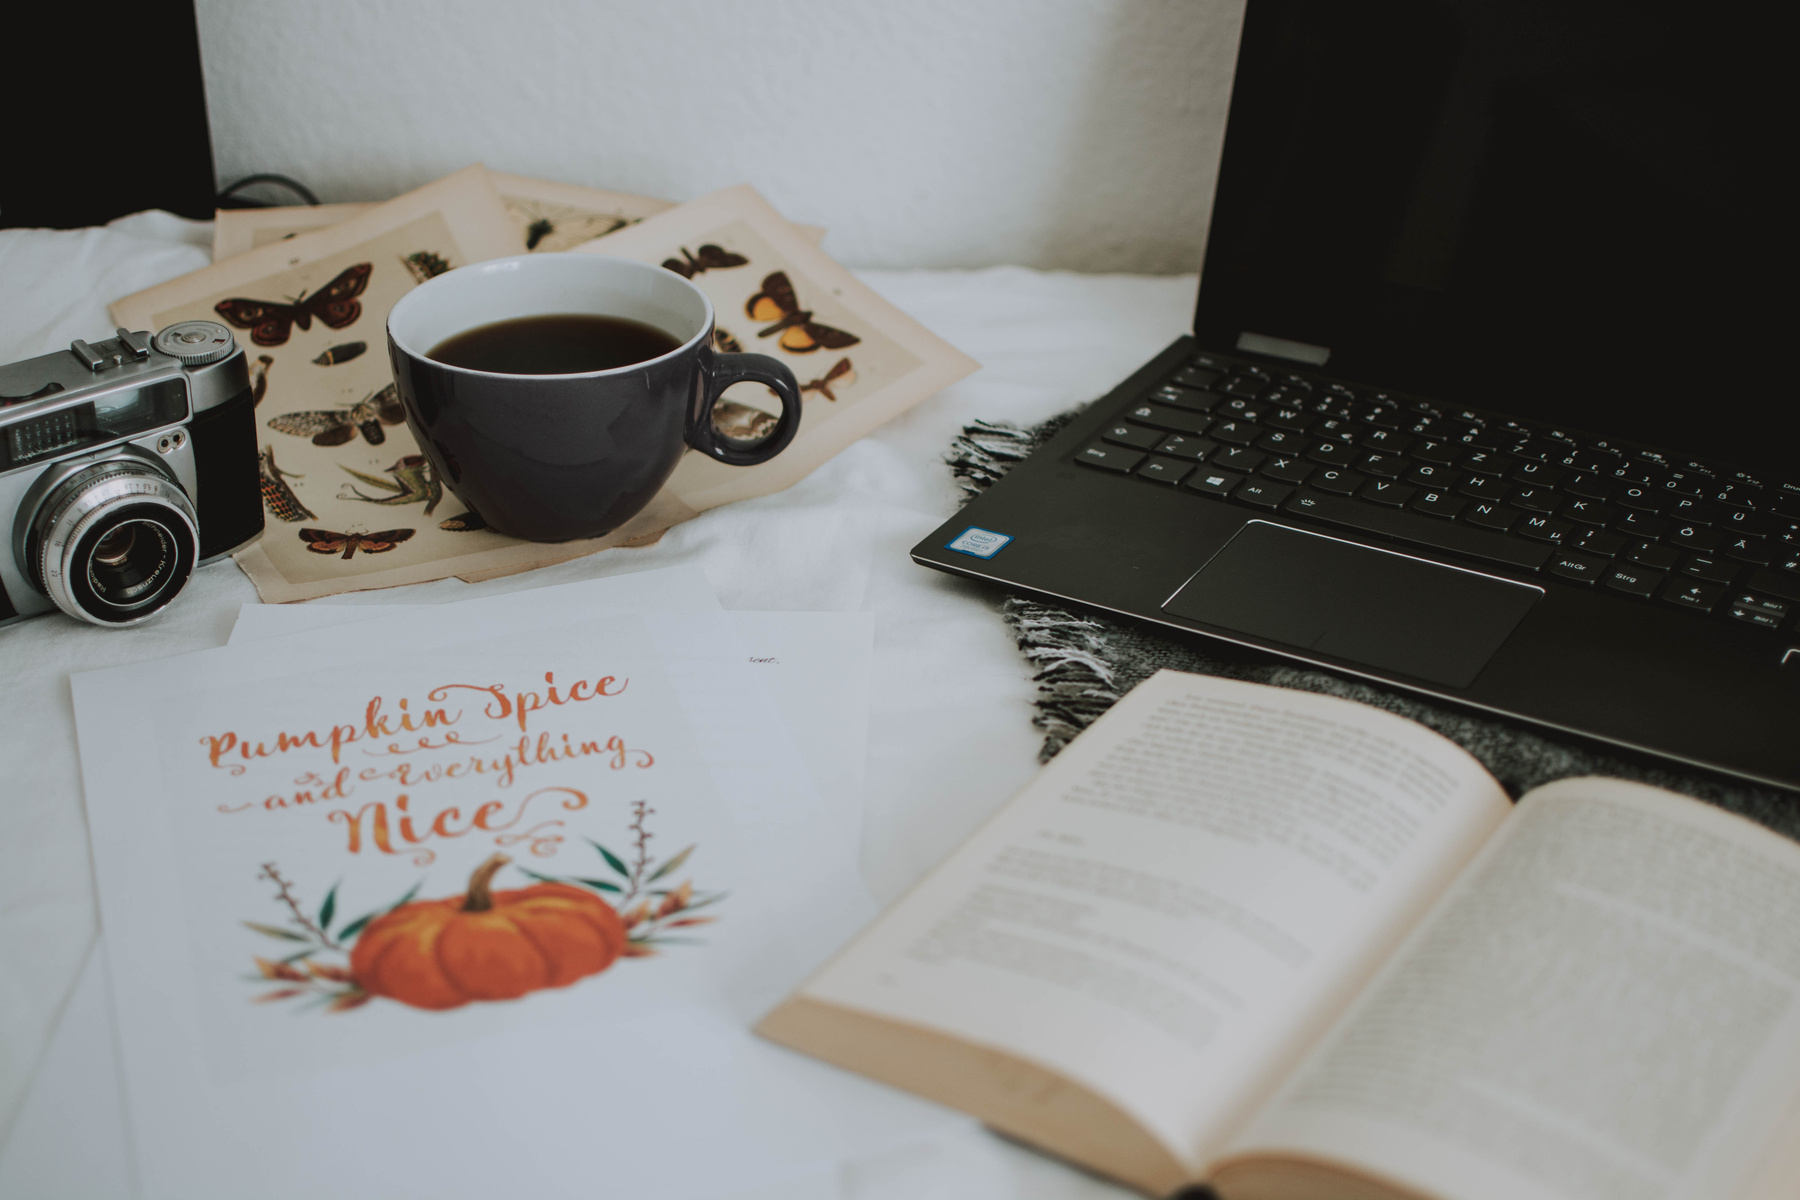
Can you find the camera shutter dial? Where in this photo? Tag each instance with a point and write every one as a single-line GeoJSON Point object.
{"type": "Point", "coordinates": [196, 343]}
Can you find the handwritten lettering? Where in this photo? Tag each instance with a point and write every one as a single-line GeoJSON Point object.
{"type": "Point", "coordinates": [413, 830]}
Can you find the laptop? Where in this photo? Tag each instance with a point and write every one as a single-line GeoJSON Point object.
{"type": "Point", "coordinates": [1486, 398]}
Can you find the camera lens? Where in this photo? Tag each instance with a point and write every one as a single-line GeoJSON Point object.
{"type": "Point", "coordinates": [113, 542]}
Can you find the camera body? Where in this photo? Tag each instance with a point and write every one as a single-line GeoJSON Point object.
{"type": "Point", "coordinates": [124, 464]}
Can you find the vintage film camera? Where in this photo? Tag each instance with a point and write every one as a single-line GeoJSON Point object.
{"type": "Point", "coordinates": [124, 464]}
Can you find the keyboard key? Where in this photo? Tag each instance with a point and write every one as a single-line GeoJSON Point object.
{"type": "Point", "coordinates": [1109, 458]}
{"type": "Point", "coordinates": [1240, 409]}
{"type": "Point", "coordinates": [1383, 466]}
{"type": "Point", "coordinates": [1709, 568]}
{"type": "Point", "coordinates": [1176, 420]}
{"type": "Point", "coordinates": [1181, 445]}
{"type": "Point", "coordinates": [1535, 499]}
{"type": "Point", "coordinates": [1262, 494]}
{"type": "Point", "coordinates": [1700, 597]}
{"type": "Point", "coordinates": [1538, 473]}
{"type": "Point", "coordinates": [1588, 512]}
{"type": "Point", "coordinates": [1633, 581]}
{"type": "Point", "coordinates": [1440, 453]}
{"type": "Point", "coordinates": [1484, 487]}
{"type": "Point", "coordinates": [1579, 568]}
{"type": "Point", "coordinates": [1238, 433]}
{"type": "Point", "coordinates": [1213, 483]}
{"type": "Point", "coordinates": [1185, 398]}
{"type": "Point", "coordinates": [1430, 475]}
{"type": "Point", "coordinates": [1649, 554]}
{"type": "Point", "coordinates": [1165, 470]}
{"type": "Point", "coordinates": [1758, 610]}
{"type": "Point", "coordinates": [1294, 420]}
{"type": "Point", "coordinates": [1541, 528]}
{"type": "Point", "coordinates": [1388, 441]}
{"type": "Point", "coordinates": [1196, 377]}
{"type": "Point", "coordinates": [1381, 491]}
{"type": "Point", "coordinates": [1690, 511]}
{"type": "Point", "coordinates": [1785, 584]}
{"type": "Point", "coordinates": [1749, 549]}
{"type": "Point", "coordinates": [1236, 458]}
{"type": "Point", "coordinates": [1332, 453]}
{"type": "Point", "coordinates": [1640, 496]}
{"type": "Point", "coordinates": [1484, 462]}
{"type": "Point", "coordinates": [1243, 385]}
{"type": "Point", "coordinates": [1438, 504]}
{"type": "Point", "coordinates": [1418, 530]}
{"type": "Point", "coordinates": [1126, 434]}
{"type": "Point", "coordinates": [1287, 469]}
{"type": "Point", "coordinates": [1693, 537]}
{"type": "Point", "coordinates": [1492, 516]}
{"type": "Point", "coordinates": [1642, 525]}
{"type": "Point", "coordinates": [1590, 486]}
{"type": "Point", "coordinates": [1338, 481]}
{"type": "Point", "coordinates": [1598, 541]}
{"type": "Point", "coordinates": [1280, 441]}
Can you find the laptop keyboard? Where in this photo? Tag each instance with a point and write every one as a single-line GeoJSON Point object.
{"type": "Point", "coordinates": [1713, 541]}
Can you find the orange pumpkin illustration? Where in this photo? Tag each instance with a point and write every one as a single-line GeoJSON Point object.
{"type": "Point", "coordinates": [487, 945]}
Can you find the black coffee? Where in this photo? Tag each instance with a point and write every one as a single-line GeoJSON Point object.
{"type": "Point", "coordinates": [560, 344]}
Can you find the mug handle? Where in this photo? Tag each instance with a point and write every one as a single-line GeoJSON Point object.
{"type": "Point", "coordinates": [728, 369]}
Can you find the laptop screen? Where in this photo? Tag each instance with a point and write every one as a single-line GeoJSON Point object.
{"type": "Point", "coordinates": [1560, 209]}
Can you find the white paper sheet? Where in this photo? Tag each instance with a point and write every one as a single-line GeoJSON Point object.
{"type": "Point", "coordinates": [588, 1074]}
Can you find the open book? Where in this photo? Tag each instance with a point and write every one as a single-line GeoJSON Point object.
{"type": "Point", "coordinates": [1296, 947]}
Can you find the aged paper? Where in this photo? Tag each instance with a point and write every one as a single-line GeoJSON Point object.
{"type": "Point", "coordinates": [860, 361]}
{"type": "Point", "coordinates": [549, 216]}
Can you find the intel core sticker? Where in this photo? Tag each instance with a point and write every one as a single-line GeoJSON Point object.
{"type": "Point", "coordinates": [982, 543]}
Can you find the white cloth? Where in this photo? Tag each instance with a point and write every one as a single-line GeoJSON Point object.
{"type": "Point", "coordinates": [950, 733]}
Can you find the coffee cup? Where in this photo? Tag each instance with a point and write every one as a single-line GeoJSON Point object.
{"type": "Point", "coordinates": [547, 447]}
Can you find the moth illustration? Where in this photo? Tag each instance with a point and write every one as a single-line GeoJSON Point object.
{"type": "Point", "coordinates": [712, 257]}
{"type": "Point", "coordinates": [466, 522]}
{"type": "Point", "coordinates": [842, 374]}
{"type": "Point", "coordinates": [558, 226]}
{"type": "Point", "coordinates": [259, 379]}
{"type": "Point", "coordinates": [335, 426]}
{"type": "Point", "coordinates": [740, 421]}
{"type": "Point", "coordinates": [423, 265]}
{"type": "Point", "coordinates": [277, 495]}
{"type": "Point", "coordinates": [341, 354]}
{"type": "Point", "coordinates": [724, 341]}
{"type": "Point", "coordinates": [269, 323]}
{"type": "Point", "coordinates": [324, 541]}
{"type": "Point", "coordinates": [800, 334]}
{"type": "Point", "coordinates": [413, 480]}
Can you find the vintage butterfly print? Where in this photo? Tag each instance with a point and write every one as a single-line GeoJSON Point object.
{"type": "Point", "coordinates": [559, 226]}
{"type": "Point", "coordinates": [712, 257]}
{"type": "Point", "coordinates": [424, 264]}
{"type": "Point", "coordinates": [723, 339]}
{"type": "Point", "coordinates": [842, 374]}
{"type": "Point", "coordinates": [259, 379]}
{"type": "Point", "coordinates": [283, 505]}
{"type": "Point", "coordinates": [324, 541]}
{"type": "Point", "coordinates": [742, 423]}
{"type": "Point", "coordinates": [335, 426]}
{"type": "Point", "coordinates": [269, 323]}
{"type": "Point", "coordinates": [466, 522]}
{"type": "Point", "coordinates": [800, 334]}
{"type": "Point", "coordinates": [341, 354]}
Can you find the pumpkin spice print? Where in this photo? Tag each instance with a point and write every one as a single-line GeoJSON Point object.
{"type": "Point", "coordinates": [485, 943]}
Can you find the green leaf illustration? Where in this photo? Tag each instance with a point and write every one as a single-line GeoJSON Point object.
{"type": "Point", "coordinates": [355, 927]}
{"type": "Point", "coordinates": [600, 883]}
{"type": "Point", "coordinates": [612, 860]}
{"type": "Point", "coordinates": [328, 909]}
{"type": "Point", "coordinates": [410, 893]}
{"type": "Point", "coordinates": [539, 877]}
{"type": "Point", "coordinates": [670, 865]}
{"type": "Point", "coordinates": [285, 935]}
{"type": "Point", "coordinates": [300, 954]}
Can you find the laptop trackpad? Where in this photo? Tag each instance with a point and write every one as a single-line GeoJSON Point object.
{"type": "Point", "coordinates": [1332, 597]}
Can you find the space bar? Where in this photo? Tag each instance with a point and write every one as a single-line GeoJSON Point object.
{"type": "Point", "coordinates": [1419, 530]}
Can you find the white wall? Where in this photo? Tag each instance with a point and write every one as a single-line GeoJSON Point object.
{"type": "Point", "coordinates": [1080, 134]}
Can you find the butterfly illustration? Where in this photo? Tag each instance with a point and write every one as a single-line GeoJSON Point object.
{"type": "Point", "coordinates": [712, 257]}
{"type": "Point", "coordinates": [800, 334]}
{"type": "Point", "coordinates": [335, 426]}
{"type": "Point", "coordinates": [724, 341]}
{"type": "Point", "coordinates": [283, 504]}
{"type": "Point", "coordinates": [324, 541]}
{"type": "Point", "coordinates": [558, 226]}
{"type": "Point", "coordinates": [842, 374]}
{"type": "Point", "coordinates": [341, 354]}
{"type": "Point", "coordinates": [741, 422]}
{"type": "Point", "coordinates": [424, 265]}
{"type": "Point", "coordinates": [269, 323]}
{"type": "Point", "coordinates": [259, 379]}
{"type": "Point", "coordinates": [413, 481]}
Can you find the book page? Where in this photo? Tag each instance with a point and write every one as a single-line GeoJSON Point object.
{"type": "Point", "coordinates": [1180, 901]}
{"type": "Point", "coordinates": [1604, 1008]}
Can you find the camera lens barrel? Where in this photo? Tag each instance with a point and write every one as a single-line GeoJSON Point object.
{"type": "Point", "coordinates": [114, 542]}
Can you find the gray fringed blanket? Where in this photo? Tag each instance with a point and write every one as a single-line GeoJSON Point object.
{"type": "Point", "coordinates": [1085, 662]}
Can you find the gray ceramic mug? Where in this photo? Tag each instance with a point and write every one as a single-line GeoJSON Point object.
{"type": "Point", "coordinates": [555, 457]}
